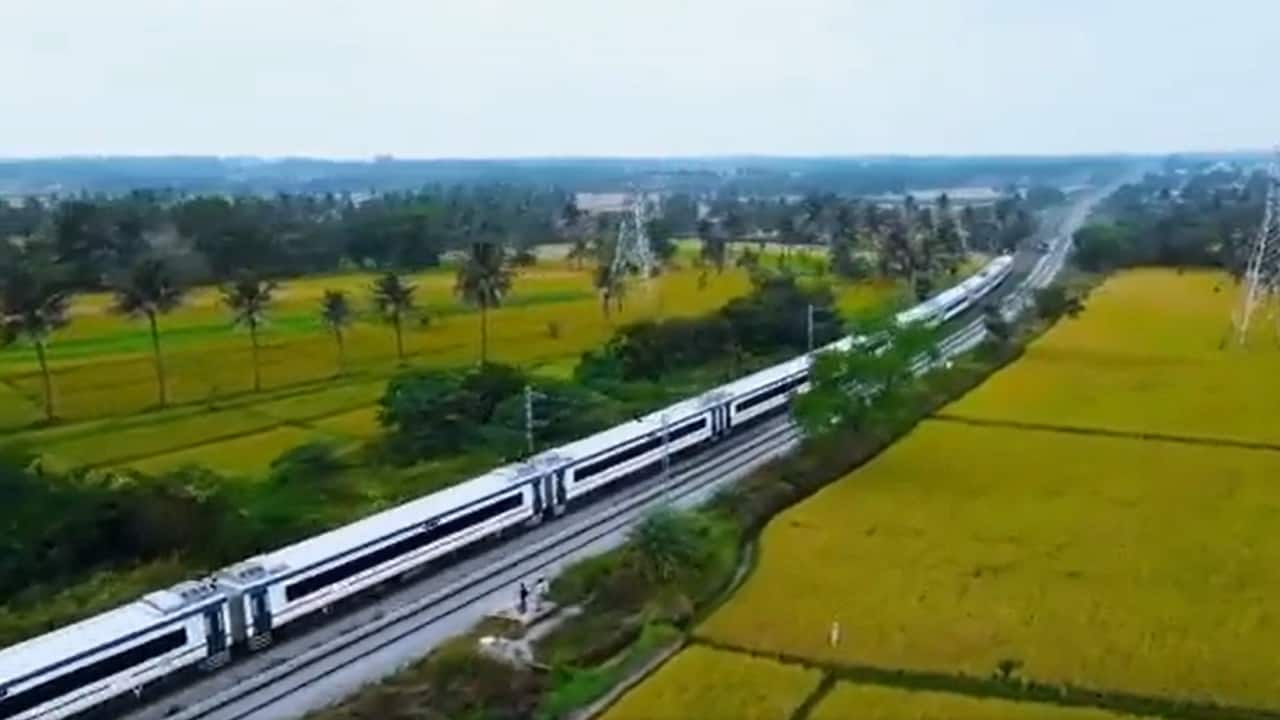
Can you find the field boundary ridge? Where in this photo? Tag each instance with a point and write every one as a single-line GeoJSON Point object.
{"type": "Point", "coordinates": [1200, 440]}
{"type": "Point", "coordinates": [1015, 688]}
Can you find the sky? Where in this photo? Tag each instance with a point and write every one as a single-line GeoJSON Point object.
{"type": "Point", "coordinates": [502, 78]}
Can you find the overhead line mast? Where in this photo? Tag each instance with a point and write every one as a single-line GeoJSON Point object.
{"type": "Point", "coordinates": [632, 252]}
{"type": "Point", "coordinates": [1262, 274]}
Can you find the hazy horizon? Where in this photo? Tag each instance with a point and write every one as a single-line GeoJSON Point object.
{"type": "Point", "coordinates": [575, 79]}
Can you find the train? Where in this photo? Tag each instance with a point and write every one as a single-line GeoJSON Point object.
{"type": "Point", "coordinates": [198, 625]}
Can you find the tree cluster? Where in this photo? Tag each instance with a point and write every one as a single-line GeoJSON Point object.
{"type": "Point", "coordinates": [1206, 220]}
{"type": "Point", "coordinates": [851, 388]}
{"type": "Point", "coordinates": [211, 238]}
{"type": "Point", "coordinates": [435, 413]}
{"type": "Point", "coordinates": [772, 320]}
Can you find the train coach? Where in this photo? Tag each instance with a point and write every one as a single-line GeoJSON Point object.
{"type": "Point", "coordinates": [116, 653]}
{"type": "Point", "coordinates": [958, 298]}
{"type": "Point", "coordinates": [197, 625]}
{"type": "Point", "coordinates": [273, 590]}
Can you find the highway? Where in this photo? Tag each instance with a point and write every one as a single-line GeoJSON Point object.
{"type": "Point", "coordinates": [305, 672]}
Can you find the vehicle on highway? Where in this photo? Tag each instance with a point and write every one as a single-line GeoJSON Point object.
{"type": "Point", "coordinates": [198, 625]}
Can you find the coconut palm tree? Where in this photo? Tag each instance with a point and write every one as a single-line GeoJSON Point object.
{"type": "Point", "coordinates": [149, 291]}
{"type": "Point", "coordinates": [32, 306]}
{"type": "Point", "coordinates": [249, 298]}
{"type": "Point", "coordinates": [484, 281]}
{"type": "Point", "coordinates": [393, 299]}
{"type": "Point", "coordinates": [336, 313]}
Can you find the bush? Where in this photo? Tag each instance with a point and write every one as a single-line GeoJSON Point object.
{"type": "Point", "coordinates": [429, 413]}
{"type": "Point", "coordinates": [1056, 300]}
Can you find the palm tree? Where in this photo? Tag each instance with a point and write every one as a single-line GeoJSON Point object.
{"type": "Point", "coordinates": [150, 291]}
{"type": "Point", "coordinates": [393, 298]}
{"type": "Point", "coordinates": [484, 280]}
{"type": "Point", "coordinates": [248, 298]}
{"type": "Point", "coordinates": [32, 306]}
{"type": "Point", "coordinates": [336, 313]}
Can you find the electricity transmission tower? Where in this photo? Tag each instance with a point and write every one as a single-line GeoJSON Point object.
{"type": "Point", "coordinates": [1262, 274]}
{"type": "Point", "coordinates": [631, 252]}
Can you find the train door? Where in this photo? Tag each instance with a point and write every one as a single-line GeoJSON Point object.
{"type": "Point", "coordinates": [719, 421]}
{"type": "Point", "coordinates": [260, 613]}
{"type": "Point", "coordinates": [553, 487]}
{"type": "Point", "coordinates": [215, 637]}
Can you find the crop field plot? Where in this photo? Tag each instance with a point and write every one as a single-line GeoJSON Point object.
{"type": "Point", "coordinates": [249, 455]}
{"type": "Point", "coordinates": [355, 425]}
{"type": "Point", "coordinates": [149, 439]}
{"type": "Point", "coordinates": [102, 362]}
{"type": "Point", "coordinates": [705, 683]}
{"type": "Point", "coordinates": [1151, 354]}
{"type": "Point", "coordinates": [847, 701]}
{"type": "Point", "coordinates": [17, 408]}
{"type": "Point", "coordinates": [328, 402]}
{"type": "Point", "coordinates": [1105, 563]}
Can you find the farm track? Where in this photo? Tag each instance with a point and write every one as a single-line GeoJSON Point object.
{"type": "Point", "coordinates": [1018, 689]}
{"type": "Point", "coordinates": [1105, 432]}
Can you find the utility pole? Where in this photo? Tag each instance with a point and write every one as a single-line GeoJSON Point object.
{"type": "Point", "coordinates": [666, 462]}
{"type": "Point", "coordinates": [809, 325]}
{"type": "Point", "coordinates": [1262, 273]}
{"type": "Point", "coordinates": [528, 418]}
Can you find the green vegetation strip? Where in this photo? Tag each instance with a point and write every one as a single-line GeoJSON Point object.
{"type": "Point", "coordinates": [1102, 432]}
{"type": "Point", "coordinates": [1011, 687]}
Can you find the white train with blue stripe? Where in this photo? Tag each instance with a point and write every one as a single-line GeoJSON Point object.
{"type": "Point", "coordinates": [197, 625]}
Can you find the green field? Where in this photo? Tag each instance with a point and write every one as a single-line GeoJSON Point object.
{"type": "Point", "coordinates": [105, 385]}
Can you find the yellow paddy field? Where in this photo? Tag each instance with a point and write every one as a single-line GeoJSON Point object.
{"type": "Point", "coordinates": [1108, 525]}
{"type": "Point", "coordinates": [714, 685]}
{"type": "Point", "coordinates": [1106, 563]}
{"type": "Point", "coordinates": [1152, 354]}
{"type": "Point", "coordinates": [865, 702]}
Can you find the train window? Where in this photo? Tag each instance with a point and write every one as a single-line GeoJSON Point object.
{"type": "Point", "coordinates": [635, 451]}
{"type": "Point", "coordinates": [431, 533]}
{"type": "Point", "coordinates": [773, 392]}
{"type": "Point", "coordinates": [91, 673]}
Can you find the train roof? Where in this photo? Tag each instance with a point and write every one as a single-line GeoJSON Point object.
{"type": "Point", "coordinates": [113, 626]}
{"type": "Point", "coordinates": [327, 545]}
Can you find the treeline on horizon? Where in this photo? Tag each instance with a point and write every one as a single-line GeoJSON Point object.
{"type": "Point", "coordinates": [95, 239]}
{"type": "Point", "coordinates": [739, 174]}
{"type": "Point", "coordinates": [1192, 219]}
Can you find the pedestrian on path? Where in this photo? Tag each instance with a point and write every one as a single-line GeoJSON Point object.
{"type": "Point", "coordinates": [539, 593]}
{"type": "Point", "coordinates": [524, 598]}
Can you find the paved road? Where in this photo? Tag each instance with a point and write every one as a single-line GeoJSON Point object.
{"type": "Point", "coordinates": [365, 644]}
